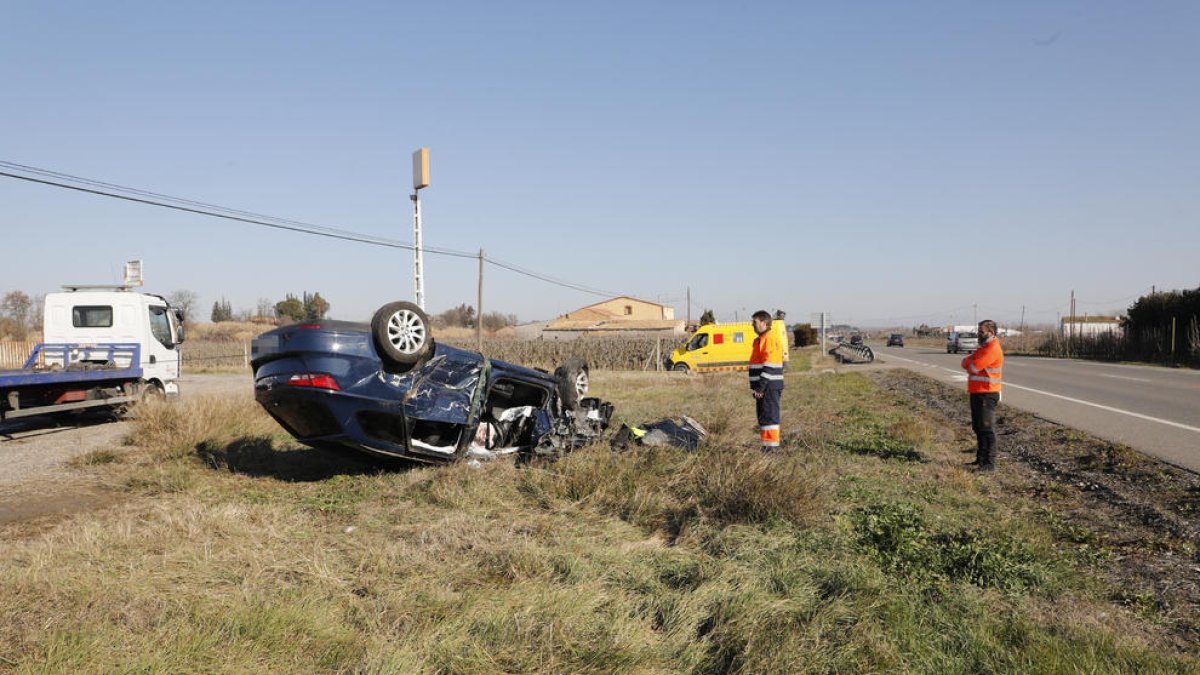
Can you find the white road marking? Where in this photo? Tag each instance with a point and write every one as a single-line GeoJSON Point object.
{"type": "Point", "coordinates": [1108, 408]}
{"type": "Point", "coordinates": [1124, 377]}
{"type": "Point", "coordinates": [1148, 418]}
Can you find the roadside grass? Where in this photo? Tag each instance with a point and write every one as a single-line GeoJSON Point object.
{"type": "Point", "coordinates": [241, 551]}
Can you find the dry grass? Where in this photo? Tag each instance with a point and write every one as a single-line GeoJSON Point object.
{"type": "Point", "coordinates": [241, 551]}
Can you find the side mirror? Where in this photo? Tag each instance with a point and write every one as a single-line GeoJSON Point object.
{"type": "Point", "coordinates": [179, 329]}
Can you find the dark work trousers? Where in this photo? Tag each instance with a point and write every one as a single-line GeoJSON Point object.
{"type": "Point", "coordinates": [767, 409]}
{"type": "Point", "coordinates": [983, 421]}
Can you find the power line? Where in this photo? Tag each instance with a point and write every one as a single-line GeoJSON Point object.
{"type": "Point", "coordinates": [104, 189]}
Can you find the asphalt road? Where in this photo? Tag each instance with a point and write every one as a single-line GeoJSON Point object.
{"type": "Point", "coordinates": [1153, 410]}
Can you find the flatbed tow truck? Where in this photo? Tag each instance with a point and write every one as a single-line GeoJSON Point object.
{"type": "Point", "coordinates": [104, 346]}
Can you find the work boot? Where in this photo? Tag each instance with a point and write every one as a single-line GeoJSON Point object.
{"type": "Point", "coordinates": [987, 456]}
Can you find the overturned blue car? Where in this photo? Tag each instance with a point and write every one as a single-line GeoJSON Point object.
{"type": "Point", "coordinates": [390, 390]}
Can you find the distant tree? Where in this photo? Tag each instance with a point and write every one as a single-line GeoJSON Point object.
{"type": "Point", "coordinates": [707, 317]}
{"type": "Point", "coordinates": [290, 308]}
{"type": "Point", "coordinates": [38, 313]}
{"type": "Point", "coordinates": [222, 311]}
{"type": "Point", "coordinates": [463, 315]}
{"type": "Point", "coordinates": [804, 334]}
{"type": "Point", "coordinates": [315, 307]}
{"type": "Point", "coordinates": [16, 307]}
{"type": "Point", "coordinates": [185, 300]}
{"type": "Point", "coordinates": [265, 308]}
{"type": "Point", "coordinates": [494, 321]}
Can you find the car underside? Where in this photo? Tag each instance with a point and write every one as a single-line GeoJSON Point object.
{"type": "Point", "coordinates": [388, 389]}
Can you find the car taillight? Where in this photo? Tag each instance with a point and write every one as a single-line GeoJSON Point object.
{"type": "Point", "coordinates": [309, 325]}
{"type": "Point", "coordinates": [315, 380]}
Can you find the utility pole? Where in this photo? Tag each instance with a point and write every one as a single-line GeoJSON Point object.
{"type": "Point", "coordinates": [689, 311]}
{"type": "Point", "coordinates": [1022, 319]}
{"type": "Point", "coordinates": [975, 313]}
{"type": "Point", "coordinates": [420, 180]}
{"type": "Point", "coordinates": [479, 312]}
{"type": "Point", "coordinates": [1071, 324]}
{"type": "Point", "coordinates": [1172, 339]}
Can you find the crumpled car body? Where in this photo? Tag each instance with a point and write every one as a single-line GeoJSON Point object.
{"type": "Point", "coordinates": [325, 383]}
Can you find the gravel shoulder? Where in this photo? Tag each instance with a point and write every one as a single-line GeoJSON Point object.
{"type": "Point", "coordinates": [40, 471]}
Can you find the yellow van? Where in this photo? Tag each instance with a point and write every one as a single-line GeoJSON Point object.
{"type": "Point", "coordinates": [721, 346]}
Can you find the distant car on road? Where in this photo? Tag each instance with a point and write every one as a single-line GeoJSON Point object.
{"type": "Point", "coordinates": [895, 340]}
{"type": "Point", "coordinates": [966, 341]}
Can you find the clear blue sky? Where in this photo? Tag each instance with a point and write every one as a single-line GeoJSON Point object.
{"type": "Point", "coordinates": [891, 163]}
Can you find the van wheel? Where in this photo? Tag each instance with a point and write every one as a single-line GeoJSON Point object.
{"type": "Point", "coordinates": [573, 382]}
{"type": "Point", "coordinates": [401, 334]}
{"type": "Point", "coordinates": [680, 368]}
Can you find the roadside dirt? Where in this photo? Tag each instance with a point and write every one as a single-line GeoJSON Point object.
{"type": "Point", "coordinates": [43, 467]}
{"type": "Point", "coordinates": [1138, 517]}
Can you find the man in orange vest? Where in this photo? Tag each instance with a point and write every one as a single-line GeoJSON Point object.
{"type": "Point", "coordinates": [766, 379]}
{"type": "Point", "coordinates": [984, 370]}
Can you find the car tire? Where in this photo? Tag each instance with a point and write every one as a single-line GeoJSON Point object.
{"type": "Point", "coordinates": [573, 382]}
{"type": "Point", "coordinates": [680, 368]}
{"type": "Point", "coordinates": [401, 334]}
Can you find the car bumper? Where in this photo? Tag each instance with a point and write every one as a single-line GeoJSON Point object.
{"type": "Point", "coordinates": [321, 418]}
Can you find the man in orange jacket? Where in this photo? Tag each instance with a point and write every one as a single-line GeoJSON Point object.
{"type": "Point", "coordinates": [766, 379]}
{"type": "Point", "coordinates": [984, 370]}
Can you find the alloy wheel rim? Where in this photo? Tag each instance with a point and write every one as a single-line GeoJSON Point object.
{"type": "Point", "coordinates": [406, 331]}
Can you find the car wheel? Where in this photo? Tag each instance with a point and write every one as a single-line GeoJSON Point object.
{"type": "Point", "coordinates": [573, 382]}
{"type": "Point", "coordinates": [680, 367]}
{"type": "Point", "coordinates": [401, 334]}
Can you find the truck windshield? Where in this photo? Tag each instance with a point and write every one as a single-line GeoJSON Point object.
{"type": "Point", "coordinates": [697, 342]}
{"type": "Point", "coordinates": [160, 326]}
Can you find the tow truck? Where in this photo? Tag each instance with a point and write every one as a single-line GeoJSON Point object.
{"type": "Point", "coordinates": [103, 346]}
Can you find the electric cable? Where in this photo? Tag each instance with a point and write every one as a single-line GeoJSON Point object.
{"type": "Point", "coordinates": [105, 189]}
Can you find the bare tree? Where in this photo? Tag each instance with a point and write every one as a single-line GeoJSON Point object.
{"type": "Point", "coordinates": [16, 306]}
{"type": "Point", "coordinates": [184, 300]}
{"type": "Point", "coordinates": [266, 308]}
{"type": "Point", "coordinates": [38, 313]}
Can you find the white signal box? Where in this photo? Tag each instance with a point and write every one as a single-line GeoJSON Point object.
{"type": "Point", "coordinates": [420, 168]}
{"type": "Point", "coordinates": [133, 273]}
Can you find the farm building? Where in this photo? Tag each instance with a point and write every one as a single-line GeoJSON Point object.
{"type": "Point", "coordinates": [1090, 326]}
{"type": "Point", "coordinates": [622, 315]}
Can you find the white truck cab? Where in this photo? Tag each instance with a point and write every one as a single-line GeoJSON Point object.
{"type": "Point", "coordinates": [88, 316]}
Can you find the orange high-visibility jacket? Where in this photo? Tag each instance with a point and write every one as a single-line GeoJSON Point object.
{"type": "Point", "coordinates": [766, 362]}
{"type": "Point", "coordinates": [984, 368]}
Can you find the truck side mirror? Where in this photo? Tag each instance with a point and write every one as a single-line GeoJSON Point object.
{"type": "Point", "coordinates": [179, 326]}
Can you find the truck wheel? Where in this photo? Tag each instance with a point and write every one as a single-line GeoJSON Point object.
{"type": "Point", "coordinates": [401, 334]}
{"type": "Point", "coordinates": [680, 367]}
{"type": "Point", "coordinates": [153, 391]}
{"type": "Point", "coordinates": [573, 381]}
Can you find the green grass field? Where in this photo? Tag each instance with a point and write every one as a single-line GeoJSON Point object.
{"type": "Point", "coordinates": [862, 547]}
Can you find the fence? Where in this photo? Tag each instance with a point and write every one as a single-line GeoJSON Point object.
{"type": "Point", "coordinates": [1177, 343]}
{"type": "Point", "coordinates": [14, 353]}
